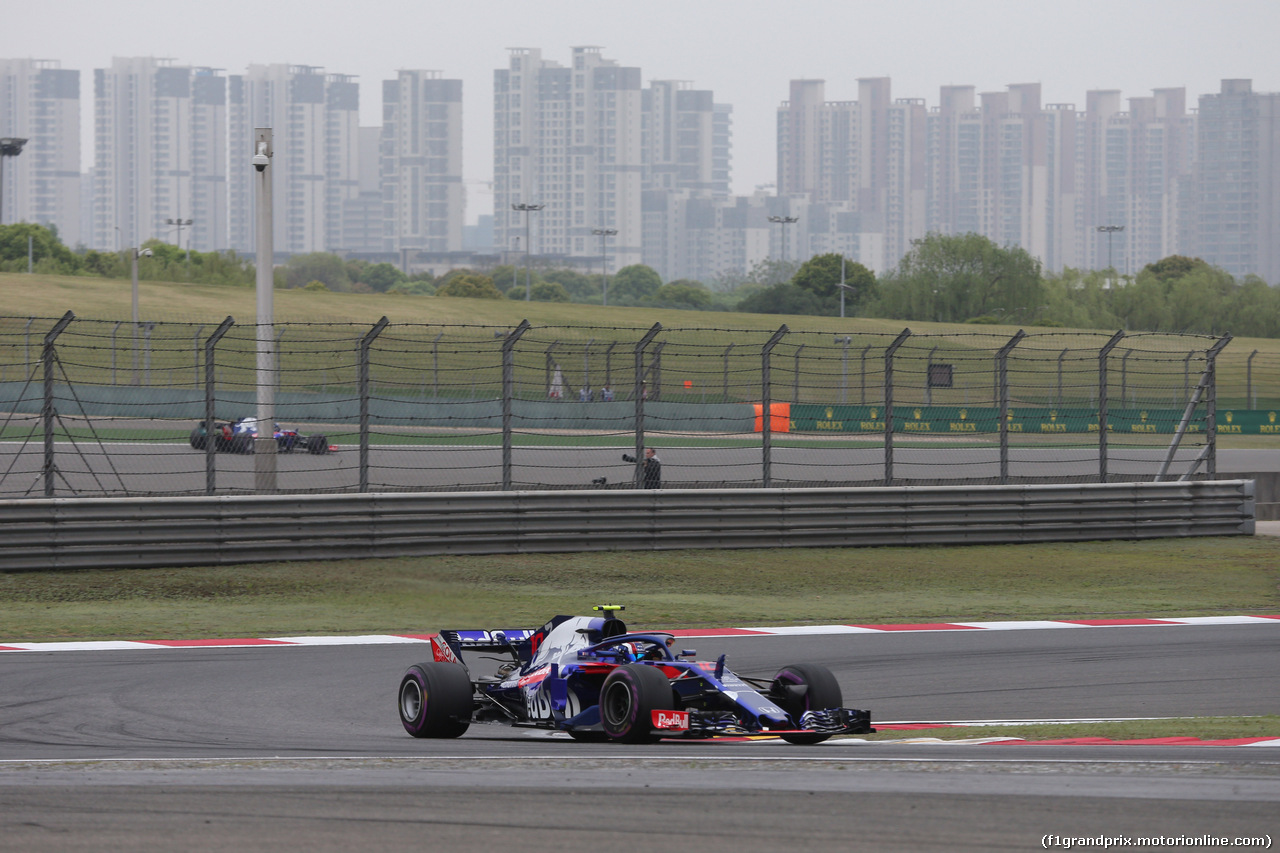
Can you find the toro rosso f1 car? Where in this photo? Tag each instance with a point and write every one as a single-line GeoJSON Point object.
{"type": "Point", "coordinates": [237, 437]}
{"type": "Point", "coordinates": [595, 680]}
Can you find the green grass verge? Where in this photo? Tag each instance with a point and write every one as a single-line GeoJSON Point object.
{"type": "Point", "coordinates": [1174, 577]}
{"type": "Point", "coordinates": [1205, 728]}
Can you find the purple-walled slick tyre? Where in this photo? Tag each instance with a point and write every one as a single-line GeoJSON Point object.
{"type": "Point", "coordinates": [628, 699]}
{"type": "Point", "coordinates": [804, 687]}
{"type": "Point", "coordinates": [435, 700]}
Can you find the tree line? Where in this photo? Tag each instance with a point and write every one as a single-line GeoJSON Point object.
{"type": "Point", "coordinates": [961, 278]}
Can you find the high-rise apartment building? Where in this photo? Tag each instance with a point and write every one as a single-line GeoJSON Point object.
{"type": "Point", "coordinates": [569, 139]}
{"type": "Point", "coordinates": [314, 117]}
{"type": "Point", "coordinates": [870, 154]}
{"type": "Point", "coordinates": [1136, 170]}
{"type": "Point", "coordinates": [1237, 181]}
{"type": "Point", "coordinates": [819, 145]}
{"type": "Point", "coordinates": [1000, 164]}
{"type": "Point", "coordinates": [686, 139]}
{"type": "Point", "coordinates": [40, 102]}
{"type": "Point", "coordinates": [420, 155]}
{"type": "Point", "coordinates": [208, 155]}
{"type": "Point", "coordinates": [362, 223]}
{"type": "Point", "coordinates": [158, 154]}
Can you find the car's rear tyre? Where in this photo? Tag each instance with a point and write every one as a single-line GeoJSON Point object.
{"type": "Point", "coordinates": [241, 442]}
{"type": "Point", "coordinates": [804, 687]}
{"type": "Point", "coordinates": [318, 444]}
{"type": "Point", "coordinates": [628, 699]}
{"type": "Point", "coordinates": [198, 438]}
{"type": "Point", "coordinates": [435, 700]}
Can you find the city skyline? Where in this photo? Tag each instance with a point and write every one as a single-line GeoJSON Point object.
{"type": "Point", "coordinates": [746, 53]}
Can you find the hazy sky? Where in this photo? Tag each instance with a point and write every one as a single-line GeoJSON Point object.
{"type": "Point", "coordinates": [745, 51]}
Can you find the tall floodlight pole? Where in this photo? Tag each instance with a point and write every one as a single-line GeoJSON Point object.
{"type": "Point", "coordinates": [180, 223]}
{"type": "Point", "coordinates": [1109, 230]}
{"type": "Point", "coordinates": [528, 209]}
{"type": "Point", "coordinates": [604, 234]}
{"type": "Point", "coordinates": [10, 146]}
{"type": "Point", "coordinates": [136, 253]}
{"type": "Point", "coordinates": [264, 448]}
{"type": "Point", "coordinates": [784, 221]}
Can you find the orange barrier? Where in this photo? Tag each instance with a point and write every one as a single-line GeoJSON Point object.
{"type": "Point", "coordinates": [779, 417]}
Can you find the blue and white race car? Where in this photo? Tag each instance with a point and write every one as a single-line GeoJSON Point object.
{"type": "Point", "coordinates": [238, 437]}
{"type": "Point", "coordinates": [592, 678]}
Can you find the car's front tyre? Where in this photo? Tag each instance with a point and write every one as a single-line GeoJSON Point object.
{"type": "Point", "coordinates": [628, 699]}
{"type": "Point", "coordinates": [435, 700]}
{"type": "Point", "coordinates": [804, 687]}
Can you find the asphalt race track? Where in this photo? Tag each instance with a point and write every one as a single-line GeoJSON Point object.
{"type": "Point", "coordinates": [91, 469]}
{"type": "Point", "coordinates": [291, 748]}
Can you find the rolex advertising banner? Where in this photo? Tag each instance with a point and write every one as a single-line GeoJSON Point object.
{"type": "Point", "coordinates": [958, 420]}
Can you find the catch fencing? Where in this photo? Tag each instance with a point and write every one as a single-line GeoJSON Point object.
{"type": "Point", "coordinates": [98, 408]}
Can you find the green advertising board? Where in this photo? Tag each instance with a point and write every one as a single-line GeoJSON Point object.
{"type": "Point", "coordinates": [959, 420]}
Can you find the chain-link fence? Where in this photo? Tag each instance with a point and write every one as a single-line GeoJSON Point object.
{"type": "Point", "coordinates": [106, 408]}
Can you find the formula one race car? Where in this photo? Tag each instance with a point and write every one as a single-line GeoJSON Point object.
{"type": "Point", "coordinates": [590, 677]}
{"type": "Point", "coordinates": [237, 437]}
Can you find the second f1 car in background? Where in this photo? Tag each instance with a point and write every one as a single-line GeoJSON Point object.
{"type": "Point", "coordinates": [238, 436]}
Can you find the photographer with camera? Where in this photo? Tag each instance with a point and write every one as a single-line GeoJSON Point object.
{"type": "Point", "coordinates": [652, 473]}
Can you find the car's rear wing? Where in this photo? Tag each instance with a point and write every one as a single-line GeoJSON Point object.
{"type": "Point", "coordinates": [449, 645]}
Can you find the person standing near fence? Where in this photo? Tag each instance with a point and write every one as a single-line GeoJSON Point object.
{"type": "Point", "coordinates": [652, 474]}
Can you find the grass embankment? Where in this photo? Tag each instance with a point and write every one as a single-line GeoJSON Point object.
{"type": "Point", "coordinates": [1033, 365]}
{"type": "Point", "coordinates": [1182, 577]}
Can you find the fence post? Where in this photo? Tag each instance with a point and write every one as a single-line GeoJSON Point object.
{"type": "Point", "coordinates": [47, 411]}
{"type": "Point", "coordinates": [795, 382]}
{"type": "Point", "coordinates": [195, 354]}
{"type": "Point", "coordinates": [435, 366]}
{"type": "Point", "coordinates": [928, 378]}
{"type": "Point", "coordinates": [844, 368]}
{"type": "Point", "coordinates": [508, 392]}
{"type": "Point", "coordinates": [655, 371]}
{"type": "Point", "coordinates": [146, 329]}
{"type": "Point", "coordinates": [639, 393]}
{"type": "Point", "coordinates": [1186, 375]}
{"type": "Point", "coordinates": [1002, 359]}
{"type": "Point", "coordinates": [888, 403]}
{"type": "Point", "coordinates": [1211, 409]}
{"type": "Point", "coordinates": [1248, 383]}
{"type": "Point", "coordinates": [862, 368]}
{"type": "Point", "coordinates": [210, 440]}
{"type": "Point", "coordinates": [1102, 403]}
{"type": "Point", "coordinates": [608, 364]}
{"type": "Point", "coordinates": [548, 369]}
{"type": "Point", "coordinates": [766, 407]}
{"type": "Point", "coordinates": [114, 329]}
{"type": "Point", "coordinates": [1124, 377]}
{"type": "Point", "coordinates": [727, 350]}
{"type": "Point", "coordinates": [365, 343]}
{"type": "Point", "coordinates": [586, 366]}
{"type": "Point", "coordinates": [1061, 356]}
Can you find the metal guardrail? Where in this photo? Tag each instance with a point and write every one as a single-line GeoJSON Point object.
{"type": "Point", "coordinates": [195, 531]}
